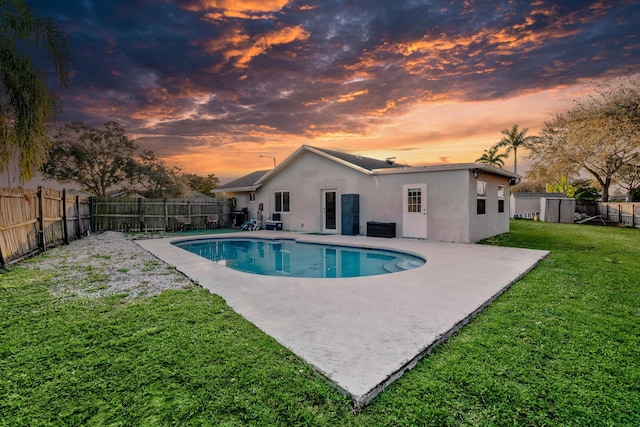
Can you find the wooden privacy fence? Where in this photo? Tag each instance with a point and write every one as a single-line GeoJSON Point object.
{"type": "Point", "coordinates": [33, 220]}
{"type": "Point", "coordinates": [137, 214]}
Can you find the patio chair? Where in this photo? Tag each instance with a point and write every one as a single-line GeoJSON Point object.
{"type": "Point", "coordinates": [213, 221]}
{"type": "Point", "coordinates": [250, 225]}
{"type": "Point", "coordinates": [183, 222]}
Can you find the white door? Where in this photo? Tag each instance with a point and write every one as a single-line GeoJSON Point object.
{"type": "Point", "coordinates": [414, 208]}
{"type": "Point", "coordinates": [329, 211]}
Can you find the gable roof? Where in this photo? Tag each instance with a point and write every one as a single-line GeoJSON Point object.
{"type": "Point", "coordinates": [362, 164]}
{"type": "Point", "coordinates": [199, 195]}
{"type": "Point", "coordinates": [248, 182]}
{"type": "Point", "coordinates": [371, 166]}
{"type": "Point", "coordinates": [358, 160]}
{"type": "Point", "coordinates": [125, 193]}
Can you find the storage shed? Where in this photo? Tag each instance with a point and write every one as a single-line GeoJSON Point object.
{"type": "Point", "coordinates": [547, 207]}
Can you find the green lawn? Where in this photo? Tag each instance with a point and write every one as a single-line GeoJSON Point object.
{"type": "Point", "coordinates": [560, 347]}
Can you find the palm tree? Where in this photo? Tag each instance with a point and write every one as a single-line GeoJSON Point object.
{"type": "Point", "coordinates": [26, 103]}
{"type": "Point", "coordinates": [512, 140]}
{"type": "Point", "coordinates": [491, 157]}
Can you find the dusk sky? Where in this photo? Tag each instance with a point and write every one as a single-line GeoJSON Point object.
{"type": "Point", "coordinates": [211, 85]}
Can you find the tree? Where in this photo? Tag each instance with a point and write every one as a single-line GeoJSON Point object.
{"type": "Point", "coordinates": [598, 135]}
{"type": "Point", "coordinates": [202, 184]}
{"type": "Point", "coordinates": [26, 103]}
{"type": "Point", "coordinates": [94, 159]}
{"type": "Point", "coordinates": [562, 186]}
{"type": "Point", "coordinates": [526, 186]}
{"type": "Point", "coordinates": [584, 192]}
{"type": "Point", "coordinates": [629, 179]}
{"type": "Point", "coordinates": [512, 140]}
{"type": "Point", "coordinates": [491, 157]}
{"type": "Point", "coordinates": [158, 179]}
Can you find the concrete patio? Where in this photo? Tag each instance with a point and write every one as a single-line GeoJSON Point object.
{"type": "Point", "coordinates": [362, 333]}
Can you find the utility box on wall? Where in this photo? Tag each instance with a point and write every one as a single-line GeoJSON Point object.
{"type": "Point", "coordinates": [350, 207]}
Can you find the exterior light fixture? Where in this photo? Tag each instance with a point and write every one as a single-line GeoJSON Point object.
{"type": "Point", "coordinates": [476, 173]}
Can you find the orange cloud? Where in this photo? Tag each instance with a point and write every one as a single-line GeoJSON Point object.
{"type": "Point", "coordinates": [440, 53]}
{"type": "Point", "coordinates": [389, 106]}
{"type": "Point", "coordinates": [352, 95]}
{"type": "Point", "coordinates": [237, 46]}
{"type": "Point", "coordinates": [237, 5]}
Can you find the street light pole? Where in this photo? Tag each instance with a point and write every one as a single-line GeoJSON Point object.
{"type": "Point", "coordinates": [269, 157]}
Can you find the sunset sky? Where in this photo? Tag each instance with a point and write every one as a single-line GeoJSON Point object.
{"type": "Point", "coordinates": [211, 85]}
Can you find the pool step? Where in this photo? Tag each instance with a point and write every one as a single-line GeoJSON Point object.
{"type": "Point", "coordinates": [396, 266]}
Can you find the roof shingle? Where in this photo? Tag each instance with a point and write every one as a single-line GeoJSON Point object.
{"type": "Point", "coordinates": [360, 161]}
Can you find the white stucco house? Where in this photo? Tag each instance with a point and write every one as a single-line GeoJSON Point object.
{"type": "Point", "coordinates": [316, 190]}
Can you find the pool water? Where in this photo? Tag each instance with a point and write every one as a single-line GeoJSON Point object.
{"type": "Point", "coordinates": [300, 259]}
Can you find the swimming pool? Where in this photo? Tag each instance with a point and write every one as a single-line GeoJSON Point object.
{"type": "Point", "coordinates": [287, 257]}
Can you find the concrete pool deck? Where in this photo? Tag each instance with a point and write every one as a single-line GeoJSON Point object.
{"type": "Point", "coordinates": [363, 332]}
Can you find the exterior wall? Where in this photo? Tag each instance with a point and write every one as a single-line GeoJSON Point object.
{"type": "Point", "coordinates": [524, 206]}
{"type": "Point", "coordinates": [242, 201]}
{"type": "Point", "coordinates": [305, 178]}
{"type": "Point", "coordinates": [492, 222]}
{"type": "Point", "coordinates": [447, 203]}
{"type": "Point", "coordinates": [451, 198]}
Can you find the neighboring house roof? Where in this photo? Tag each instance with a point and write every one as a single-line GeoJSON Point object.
{"type": "Point", "coordinates": [246, 183]}
{"type": "Point", "coordinates": [522, 195]}
{"type": "Point", "coordinates": [80, 193]}
{"type": "Point", "coordinates": [199, 195]}
{"type": "Point", "coordinates": [124, 193]}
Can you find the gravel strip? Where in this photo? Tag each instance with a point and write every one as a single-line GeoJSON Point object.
{"type": "Point", "coordinates": [106, 264]}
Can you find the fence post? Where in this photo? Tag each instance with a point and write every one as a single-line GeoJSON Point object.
{"type": "Point", "coordinates": [65, 227]}
{"type": "Point", "coordinates": [92, 216]}
{"type": "Point", "coordinates": [77, 227]}
{"type": "Point", "coordinates": [166, 215]}
{"type": "Point", "coordinates": [140, 214]}
{"type": "Point", "coordinates": [41, 238]}
{"type": "Point", "coordinates": [2, 262]}
{"type": "Point", "coordinates": [619, 213]}
{"type": "Point", "coordinates": [633, 215]}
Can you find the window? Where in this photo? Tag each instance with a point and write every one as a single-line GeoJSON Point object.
{"type": "Point", "coordinates": [481, 196]}
{"type": "Point", "coordinates": [500, 198]}
{"type": "Point", "coordinates": [282, 201]}
{"type": "Point", "coordinates": [252, 196]}
{"type": "Point", "coordinates": [414, 200]}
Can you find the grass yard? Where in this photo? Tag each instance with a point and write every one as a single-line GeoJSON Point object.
{"type": "Point", "coordinates": [560, 347]}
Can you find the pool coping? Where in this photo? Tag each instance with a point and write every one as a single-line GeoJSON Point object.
{"type": "Point", "coordinates": [362, 333]}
